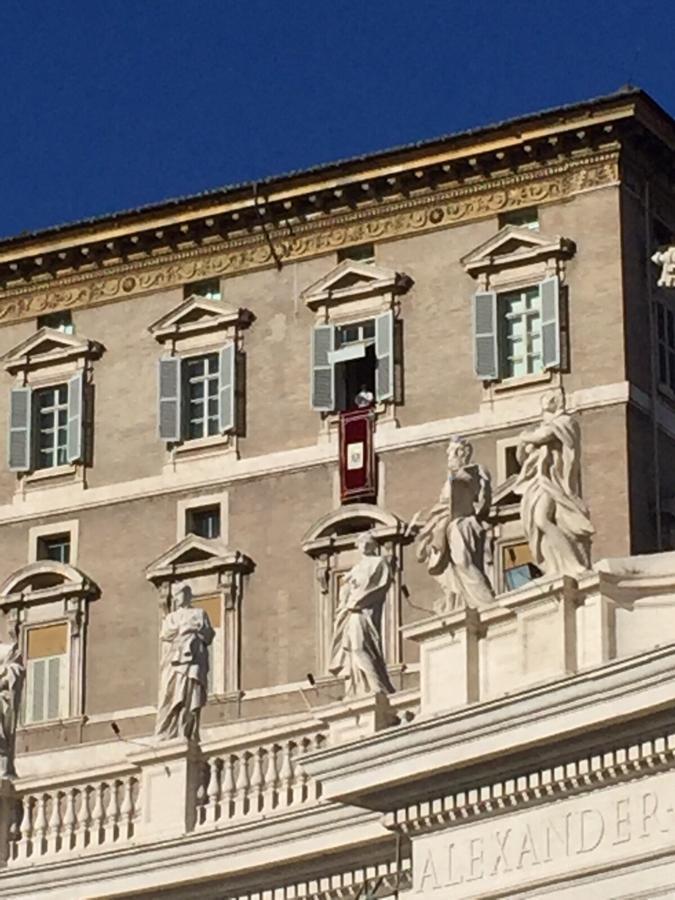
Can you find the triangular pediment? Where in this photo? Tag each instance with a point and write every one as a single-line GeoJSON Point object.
{"type": "Point", "coordinates": [351, 279]}
{"type": "Point", "coordinates": [198, 314]}
{"type": "Point", "coordinates": [49, 345]}
{"type": "Point", "coordinates": [194, 554]}
{"type": "Point", "coordinates": [513, 244]}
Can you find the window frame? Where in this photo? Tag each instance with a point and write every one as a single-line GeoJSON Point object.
{"type": "Point", "coordinates": [58, 451]}
{"type": "Point", "coordinates": [36, 533]}
{"type": "Point", "coordinates": [65, 675]}
{"type": "Point", "coordinates": [665, 353]}
{"type": "Point", "coordinates": [525, 294]}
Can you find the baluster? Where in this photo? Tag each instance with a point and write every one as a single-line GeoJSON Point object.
{"type": "Point", "coordinates": [127, 810]}
{"type": "Point", "coordinates": [257, 781]}
{"type": "Point", "coordinates": [40, 826]}
{"type": "Point", "coordinates": [228, 787]}
{"type": "Point", "coordinates": [242, 786]}
{"type": "Point", "coordinates": [84, 824]}
{"type": "Point", "coordinates": [69, 821]}
{"type": "Point", "coordinates": [319, 740]}
{"type": "Point", "coordinates": [54, 826]}
{"type": "Point", "coordinates": [302, 778]}
{"type": "Point", "coordinates": [113, 812]}
{"type": "Point", "coordinates": [201, 799]}
{"type": "Point", "coordinates": [213, 790]}
{"type": "Point", "coordinates": [286, 776]}
{"type": "Point", "coordinates": [270, 800]}
{"type": "Point", "coordinates": [97, 815]}
{"type": "Point", "coordinates": [22, 828]}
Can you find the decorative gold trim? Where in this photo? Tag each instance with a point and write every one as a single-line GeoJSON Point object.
{"type": "Point", "coordinates": [378, 221]}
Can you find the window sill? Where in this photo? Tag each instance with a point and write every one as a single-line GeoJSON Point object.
{"type": "Point", "coordinates": [215, 446]}
{"type": "Point", "coordinates": [523, 381]}
{"type": "Point", "coordinates": [69, 475]}
{"type": "Point", "coordinates": [384, 414]}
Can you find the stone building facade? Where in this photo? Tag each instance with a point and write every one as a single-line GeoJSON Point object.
{"type": "Point", "coordinates": [175, 380]}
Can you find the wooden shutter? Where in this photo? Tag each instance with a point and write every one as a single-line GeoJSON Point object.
{"type": "Point", "coordinates": [384, 351]}
{"type": "Point", "coordinates": [169, 398]}
{"type": "Point", "coordinates": [550, 322]}
{"type": "Point", "coordinates": [323, 373]}
{"type": "Point", "coordinates": [486, 355]}
{"type": "Point", "coordinates": [75, 417]}
{"type": "Point", "coordinates": [20, 429]}
{"type": "Point", "coordinates": [226, 387]}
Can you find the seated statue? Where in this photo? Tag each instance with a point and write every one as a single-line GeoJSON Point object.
{"type": "Point", "coordinates": [356, 653]}
{"type": "Point", "coordinates": [453, 536]}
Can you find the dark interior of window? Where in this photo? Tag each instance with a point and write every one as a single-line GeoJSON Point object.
{"type": "Point", "coordinates": [59, 321]}
{"type": "Point", "coordinates": [357, 252]}
{"type": "Point", "coordinates": [209, 288]}
{"type": "Point", "coordinates": [355, 381]}
{"type": "Point", "coordinates": [204, 522]}
{"type": "Point", "coordinates": [55, 547]}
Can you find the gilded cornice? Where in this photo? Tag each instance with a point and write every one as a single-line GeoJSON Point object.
{"type": "Point", "coordinates": [379, 220]}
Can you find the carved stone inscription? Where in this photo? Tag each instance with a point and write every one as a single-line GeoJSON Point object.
{"type": "Point", "coordinates": [564, 838]}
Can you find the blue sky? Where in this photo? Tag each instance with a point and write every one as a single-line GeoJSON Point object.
{"type": "Point", "coordinates": [108, 106]}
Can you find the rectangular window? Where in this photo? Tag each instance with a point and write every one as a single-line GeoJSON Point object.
{"type": "Point", "coordinates": [55, 547]}
{"type": "Point", "coordinates": [518, 567]}
{"type": "Point", "coordinates": [50, 406]}
{"type": "Point", "coordinates": [522, 218]}
{"type": "Point", "coordinates": [520, 333]}
{"type": "Point", "coordinates": [355, 365]}
{"type": "Point", "coordinates": [200, 393]}
{"type": "Point", "coordinates": [212, 606]}
{"type": "Point", "coordinates": [665, 329]}
{"type": "Point", "coordinates": [357, 252]}
{"type": "Point", "coordinates": [209, 289]}
{"type": "Point", "coordinates": [59, 321]}
{"type": "Point", "coordinates": [204, 521]}
{"type": "Point", "coordinates": [46, 673]}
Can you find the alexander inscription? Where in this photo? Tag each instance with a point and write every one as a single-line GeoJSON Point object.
{"type": "Point", "coordinates": [619, 823]}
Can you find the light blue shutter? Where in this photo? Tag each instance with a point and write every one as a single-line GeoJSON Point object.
{"type": "Point", "coordinates": [486, 358]}
{"type": "Point", "coordinates": [169, 398]}
{"type": "Point", "coordinates": [323, 373]}
{"type": "Point", "coordinates": [550, 322]}
{"type": "Point", "coordinates": [75, 417]}
{"type": "Point", "coordinates": [226, 386]}
{"type": "Point", "coordinates": [53, 687]}
{"type": "Point", "coordinates": [37, 690]}
{"type": "Point", "coordinates": [384, 351]}
{"type": "Point", "coordinates": [20, 429]}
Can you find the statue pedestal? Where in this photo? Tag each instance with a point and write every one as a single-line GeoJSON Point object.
{"type": "Point", "coordinates": [170, 773]}
{"type": "Point", "coordinates": [7, 811]}
{"type": "Point", "coordinates": [448, 659]}
{"type": "Point", "coordinates": [356, 717]}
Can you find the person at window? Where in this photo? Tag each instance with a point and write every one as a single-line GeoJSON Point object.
{"type": "Point", "coordinates": [186, 635]}
{"type": "Point", "coordinates": [364, 398]}
{"type": "Point", "coordinates": [555, 518]}
{"type": "Point", "coordinates": [453, 534]}
{"type": "Point", "coordinates": [357, 643]}
{"type": "Point", "coordinates": [12, 675]}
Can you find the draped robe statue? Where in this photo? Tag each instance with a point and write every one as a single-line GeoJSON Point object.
{"type": "Point", "coordinates": [356, 652]}
{"type": "Point", "coordinates": [185, 637]}
{"type": "Point", "coordinates": [12, 674]}
{"type": "Point", "coordinates": [453, 536]}
{"type": "Point", "coordinates": [554, 517]}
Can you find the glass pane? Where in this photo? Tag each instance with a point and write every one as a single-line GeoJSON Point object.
{"type": "Point", "coordinates": [36, 675]}
{"type": "Point", "coordinates": [53, 686]}
{"type": "Point", "coordinates": [212, 361]}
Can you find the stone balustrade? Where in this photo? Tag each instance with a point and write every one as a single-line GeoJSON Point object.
{"type": "Point", "coordinates": [60, 818]}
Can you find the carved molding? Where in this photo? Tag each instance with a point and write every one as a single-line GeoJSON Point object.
{"type": "Point", "coordinates": [378, 221]}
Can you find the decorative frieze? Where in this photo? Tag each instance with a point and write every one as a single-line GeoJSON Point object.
{"type": "Point", "coordinates": [384, 220]}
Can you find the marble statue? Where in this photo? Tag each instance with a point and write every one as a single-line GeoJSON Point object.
{"type": "Point", "coordinates": [356, 652]}
{"type": "Point", "coordinates": [12, 674]}
{"type": "Point", "coordinates": [554, 517]}
{"type": "Point", "coordinates": [453, 536]}
{"type": "Point", "coordinates": [185, 638]}
{"type": "Point", "coordinates": [666, 259]}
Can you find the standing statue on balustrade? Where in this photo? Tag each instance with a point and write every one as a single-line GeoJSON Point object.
{"type": "Point", "coordinates": [554, 517]}
{"type": "Point", "coordinates": [357, 639]}
{"type": "Point", "coordinates": [185, 637]}
{"type": "Point", "coordinates": [12, 674]}
{"type": "Point", "coordinates": [453, 537]}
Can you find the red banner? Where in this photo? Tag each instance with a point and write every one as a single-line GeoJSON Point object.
{"type": "Point", "coordinates": [357, 456]}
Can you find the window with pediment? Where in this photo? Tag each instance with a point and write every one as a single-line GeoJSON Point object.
{"type": "Point", "coordinates": [45, 604]}
{"type": "Point", "coordinates": [216, 576]}
{"type": "Point", "coordinates": [356, 351]}
{"type": "Point", "coordinates": [518, 310]}
{"type": "Point", "coordinates": [51, 404]}
{"type": "Point", "coordinates": [201, 383]}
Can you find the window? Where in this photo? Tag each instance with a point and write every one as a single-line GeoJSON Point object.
{"type": "Point", "coordinates": [51, 426]}
{"type": "Point", "coordinates": [204, 521]}
{"type": "Point", "coordinates": [59, 321]}
{"type": "Point", "coordinates": [520, 333]}
{"type": "Point", "coordinates": [359, 252]}
{"type": "Point", "coordinates": [196, 395]}
{"type": "Point", "coordinates": [209, 289]}
{"type": "Point", "coordinates": [517, 566]}
{"type": "Point", "coordinates": [665, 329]}
{"type": "Point", "coordinates": [55, 547]}
{"type": "Point", "coordinates": [522, 218]}
{"type": "Point", "coordinates": [355, 364]}
{"type": "Point", "coordinates": [46, 673]}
